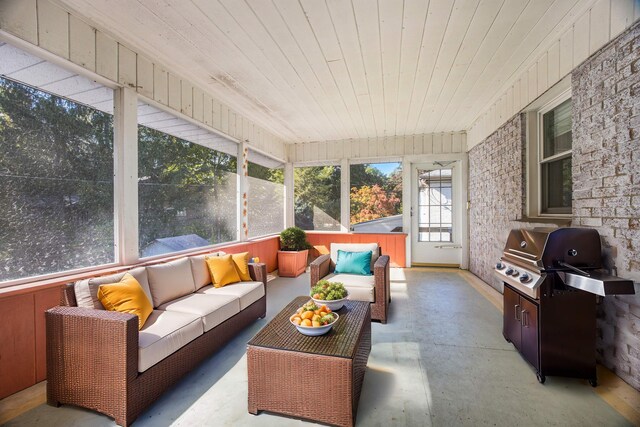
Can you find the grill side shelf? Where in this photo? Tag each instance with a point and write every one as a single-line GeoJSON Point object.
{"type": "Point", "coordinates": [598, 283]}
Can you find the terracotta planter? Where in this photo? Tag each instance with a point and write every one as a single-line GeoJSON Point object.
{"type": "Point", "coordinates": [292, 264]}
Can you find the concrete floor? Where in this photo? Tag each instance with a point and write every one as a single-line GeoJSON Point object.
{"type": "Point", "coordinates": [441, 360]}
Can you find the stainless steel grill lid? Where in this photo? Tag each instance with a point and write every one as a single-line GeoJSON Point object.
{"type": "Point", "coordinates": [544, 249]}
{"type": "Point", "coordinates": [573, 253]}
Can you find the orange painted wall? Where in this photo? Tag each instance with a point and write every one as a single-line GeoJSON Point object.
{"type": "Point", "coordinates": [392, 244]}
{"type": "Point", "coordinates": [266, 249]}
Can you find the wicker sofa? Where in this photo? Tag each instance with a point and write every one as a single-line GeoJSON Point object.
{"type": "Point", "coordinates": [98, 359]}
{"type": "Point", "coordinates": [374, 289]}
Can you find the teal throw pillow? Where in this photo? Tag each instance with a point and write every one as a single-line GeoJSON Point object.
{"type": "Point", "coordinates": [354, 262]}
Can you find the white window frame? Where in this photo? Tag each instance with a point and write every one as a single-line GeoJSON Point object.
{"type": "Point", "coordinates": [535, 149]}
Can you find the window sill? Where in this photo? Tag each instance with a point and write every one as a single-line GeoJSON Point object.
{"type": "Point", "coordinates": [560, 221]}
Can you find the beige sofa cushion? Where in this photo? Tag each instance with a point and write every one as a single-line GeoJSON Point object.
{"type": "Point", "coordinates": [87, 290]}
{"type": "Point", "coordinates": [354, 247]}
{"type": "Point", "coordinates": [360, 288]}
{"type": "Point", "coordinates": [170, 280]}
{"type": "Point", "coordinates": [201, 275]}
{"type": "Point", "coordinates": [163, 334]}
{"type": "Point", "coordinates": [246, 292]}
{"type": "Point", "coordinates": [213, 309]}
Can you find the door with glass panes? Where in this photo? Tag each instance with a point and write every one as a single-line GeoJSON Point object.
{"type": "Point", "coordinates": [436, 214]}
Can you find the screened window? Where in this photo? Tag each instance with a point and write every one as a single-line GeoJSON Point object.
{"type": "Point", "coordinates": [266, 200]}
{"type": "Point", "coordinates": [317, 198]}
{"type": "Point", "coordinates": [187, 194]}
{"type": "Point", "coordinates": [376, 197]}
{"type": "Point", "coordinates": [56, 183]}
{"type": "Point", "coordinates": [555, 159]}
{"type": "Point", "coordinates": [435, 214]}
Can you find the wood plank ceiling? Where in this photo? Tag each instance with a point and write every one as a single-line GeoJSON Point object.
{"type": "Point", "coordinates": [312, 70]}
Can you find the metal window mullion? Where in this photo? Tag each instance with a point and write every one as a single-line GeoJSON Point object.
{"type": "Point", "coordinates": [558, 156]}
{"type": "Point", "coordinates": [345, 195]}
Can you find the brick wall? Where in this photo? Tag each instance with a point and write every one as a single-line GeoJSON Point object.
{"type": "Point", "coordinates": [497, 196]}
{"type": "Point", "coordinates": [606, 186]}
{"type": "Point", "coordinates": [606, 189]}
{"type": "Point", "coordinates": [495, 192]}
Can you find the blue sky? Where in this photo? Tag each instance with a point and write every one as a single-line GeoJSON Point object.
{"type": "Point", "coordinates": [385, 168]}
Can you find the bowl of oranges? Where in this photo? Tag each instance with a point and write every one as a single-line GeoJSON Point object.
{"type": "Point", "coordinates": [313, 320]}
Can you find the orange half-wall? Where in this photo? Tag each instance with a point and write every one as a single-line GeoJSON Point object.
{"type": "Point", "coordinates": [392, 244]}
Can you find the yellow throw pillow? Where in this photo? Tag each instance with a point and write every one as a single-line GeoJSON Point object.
{"type": "Point", "coordinates": [126, 296]}
{"type": "Point", "coordinates": [242, 265]}
{"type": "Point", "coordinates": [223, 270]}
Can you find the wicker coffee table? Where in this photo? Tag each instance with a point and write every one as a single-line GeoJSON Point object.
{"type": "Point", "coordinates": [317, 378]}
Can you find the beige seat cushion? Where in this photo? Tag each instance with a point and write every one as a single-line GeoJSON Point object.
{"type": "Point", "coordinates": [170, 280]}
{"type": "Point", "coordinates": [201, 275]}
{"type": "Point", "coordinates": [354, 247]}
{"type": "Point", "coordinates": [163, 334]}
{"type": "Point", "coordinates": [360, 288]}
{"type": "Point", "coordinates": [247, 292]}
{"type": "Point", "coordinates": [213, 309]}
{"type": "Point", "coordinates": [87, 290]}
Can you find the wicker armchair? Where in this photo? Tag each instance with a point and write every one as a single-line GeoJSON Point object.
{"type": "Point", "coordinates": [92, 356]}
{"type": "Point", "coordinates": [324, 266]}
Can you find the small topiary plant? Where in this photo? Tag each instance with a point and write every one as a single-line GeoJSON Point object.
{"type": "Point", "coordinates": [294, 239]}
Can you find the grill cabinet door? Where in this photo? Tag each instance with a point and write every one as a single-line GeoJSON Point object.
{"type": "Point", "coordinates": [529, 320]}
{"type": "Point", "coordinates": [512, 311]}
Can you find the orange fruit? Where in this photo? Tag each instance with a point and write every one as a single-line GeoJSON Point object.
{"type": "Point", "coordinates": [307, 315]}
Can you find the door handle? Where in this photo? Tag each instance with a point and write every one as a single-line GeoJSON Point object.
{"type": "Point", "coordinates": [524, 317]}
{"type": "Point", "coordinates": [516, 311]}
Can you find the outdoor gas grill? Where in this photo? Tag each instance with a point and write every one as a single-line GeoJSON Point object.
{"type": "Point", "coordinates": [551, 281]}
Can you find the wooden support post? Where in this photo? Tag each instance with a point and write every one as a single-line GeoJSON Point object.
{"type": "Point", "coordinates": [345, 192]}
{"type": "Point", "coordinates": [125, 170]}
{"type": "Point", "coordinates": [289, 215]}
{"type": "Point", "coordinates": [243, 192]}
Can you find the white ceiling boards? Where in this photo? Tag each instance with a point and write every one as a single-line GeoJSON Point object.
{"type": "Point", "coordinates": [313, 70]}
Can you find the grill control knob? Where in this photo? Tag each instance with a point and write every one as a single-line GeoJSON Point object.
{"type": "Point", "coordinates": [515, 273]}
{"type": "Point", "coordinates": [508, 271]}
{"type": "Point", "coordinates": [525, 278]}
{"type": "Point", "coordinates": [500, 266]}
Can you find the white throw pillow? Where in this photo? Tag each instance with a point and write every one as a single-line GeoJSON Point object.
{"type": "Point", "coordinates": [170, 280]}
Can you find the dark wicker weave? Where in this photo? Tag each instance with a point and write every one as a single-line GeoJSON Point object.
{"type": "Point", "coordinates": [92, 356]}
{"type": "Point", "coordinates": [284, 366]}
{"type": "Point", "coordinates": [323, 265]}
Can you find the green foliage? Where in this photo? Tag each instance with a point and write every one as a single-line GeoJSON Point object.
{"type": "Point", "coordinates": [317, 186]}
{"type": "Point", "coordinates": [262, 172]}
{"type": "Point", "coordinates": [56, 183]}
{"type": "Point", "coordinates": [376, 195]}
{"type": "Point", "coordinates": [294, 239]}
{"type": "Point", "coordinates": [373, 194]}
{"type": "Point", "coordinates": [184, 188]}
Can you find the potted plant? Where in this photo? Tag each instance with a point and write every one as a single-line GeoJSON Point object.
{"type": "Point", "coordinates": [293, 253]}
